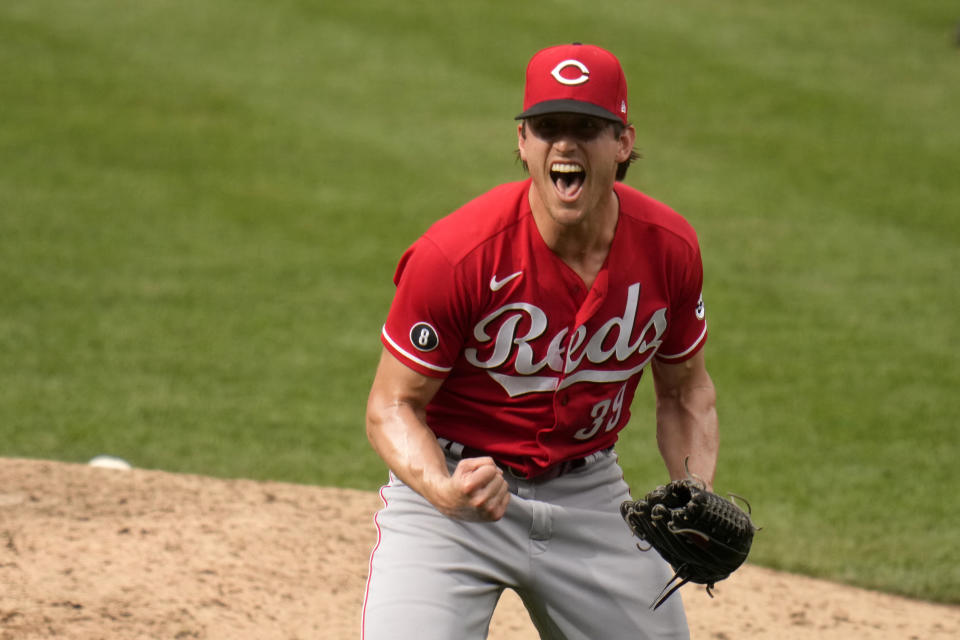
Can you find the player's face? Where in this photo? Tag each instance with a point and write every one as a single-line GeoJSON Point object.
{"type": "Point", "coordinates": [573, 161]}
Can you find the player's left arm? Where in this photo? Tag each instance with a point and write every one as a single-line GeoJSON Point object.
{"type": "Point", "coordinates": [687, 426]}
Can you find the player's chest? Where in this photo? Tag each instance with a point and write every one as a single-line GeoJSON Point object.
{"type": "Point", "coordinates": [536, 315]}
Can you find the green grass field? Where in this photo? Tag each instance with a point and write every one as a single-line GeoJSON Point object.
{"type": "Point", "coordinates": [202, 204]}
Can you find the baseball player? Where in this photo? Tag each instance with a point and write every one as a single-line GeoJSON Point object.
{"type": "Point", "coordinates": [519, 331]}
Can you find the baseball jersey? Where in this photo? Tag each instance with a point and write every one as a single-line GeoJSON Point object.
{"type": "Point", "coordinates": [537, 369]}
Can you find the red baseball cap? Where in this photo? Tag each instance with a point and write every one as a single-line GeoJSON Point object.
{"type": "Point", "coordinates": [575, 78]}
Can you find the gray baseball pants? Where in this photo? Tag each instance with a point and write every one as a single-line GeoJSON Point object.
{"type": "Point", "coordinates": [562, 546]}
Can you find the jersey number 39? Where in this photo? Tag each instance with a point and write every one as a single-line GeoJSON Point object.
{"type": "Point", "coordinates": [599, 414]}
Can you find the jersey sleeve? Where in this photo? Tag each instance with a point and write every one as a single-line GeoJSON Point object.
{"type": "Point", "coordinates": [424, 328]}
{"type": "Point", "coordinates": [687, 329]}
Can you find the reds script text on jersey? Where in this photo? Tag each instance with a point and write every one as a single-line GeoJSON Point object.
{"type": "Point", "coordinates": [538, 369]}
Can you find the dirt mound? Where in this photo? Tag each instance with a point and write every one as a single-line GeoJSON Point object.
{"type": "Point", "coordinates": [100, 553]}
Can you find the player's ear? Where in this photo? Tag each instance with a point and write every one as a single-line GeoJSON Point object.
{"type": "Point", "coordinates": [627, 138]}
{"type": "Point", "coordinates": [521, 140]}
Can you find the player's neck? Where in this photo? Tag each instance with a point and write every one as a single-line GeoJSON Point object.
{"type": "Point", "coordinates": [582, 244]}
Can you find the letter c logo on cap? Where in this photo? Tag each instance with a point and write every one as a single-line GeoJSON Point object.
{"type": "Point", "coordinates": [557, 72]}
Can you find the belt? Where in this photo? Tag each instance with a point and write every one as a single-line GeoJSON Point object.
{"type": "Point", "coordinates": [459, 451]}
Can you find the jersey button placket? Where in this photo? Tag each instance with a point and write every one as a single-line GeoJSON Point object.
{"type": "Point", "coordinates": [561, 397]}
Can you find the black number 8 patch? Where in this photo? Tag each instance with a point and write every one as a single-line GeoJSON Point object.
{"type": "Point", "coordinates": [424, 337]}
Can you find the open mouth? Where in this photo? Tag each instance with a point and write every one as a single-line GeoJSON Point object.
{"type": "Point", "coordinates": [568, 178]}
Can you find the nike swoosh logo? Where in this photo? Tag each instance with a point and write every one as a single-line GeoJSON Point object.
{"type": "Point", "coordinates": [496, 285]}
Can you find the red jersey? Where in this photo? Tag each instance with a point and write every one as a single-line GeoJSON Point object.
{"type": "Point", "coordinates": [538, 369]}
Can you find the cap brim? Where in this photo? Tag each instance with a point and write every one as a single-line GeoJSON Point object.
{"type": "Point", "coordinates": [568, 106]}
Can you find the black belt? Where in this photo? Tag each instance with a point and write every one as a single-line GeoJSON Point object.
{"type": "Point", "coordinates": [459, 451]}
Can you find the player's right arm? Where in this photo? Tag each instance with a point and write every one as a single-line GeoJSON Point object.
{"type": "Point", "coordinates": [397, 429]}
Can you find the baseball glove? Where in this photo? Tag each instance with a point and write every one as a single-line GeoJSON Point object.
{"type": "Point", "coordinates": [703, 536]}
